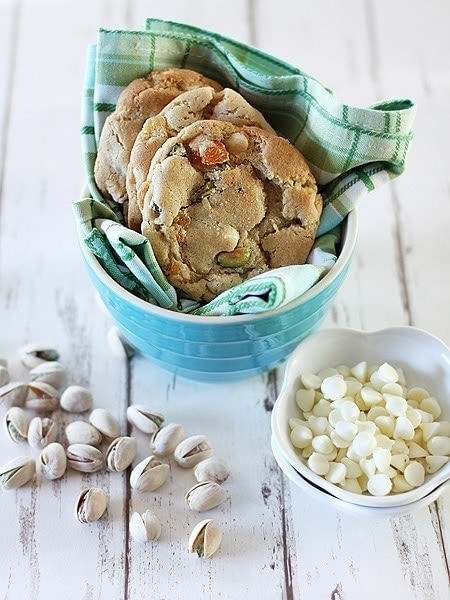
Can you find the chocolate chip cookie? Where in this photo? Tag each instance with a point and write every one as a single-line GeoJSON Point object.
{"type": "Point", "coordinates": [142, 98]}
{"type": "Point", "coordinates": [226, 202]}
{"type": "Point", "coordinates": [194, 105]}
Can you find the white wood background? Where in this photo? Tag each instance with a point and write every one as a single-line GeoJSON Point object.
{"type": "Point", "coordinates": [277, 543]}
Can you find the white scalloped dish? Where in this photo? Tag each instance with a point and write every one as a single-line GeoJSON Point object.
{"type": "Point", "coordinates": [425, 361]}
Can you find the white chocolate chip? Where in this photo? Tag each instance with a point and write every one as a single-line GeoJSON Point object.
{"type": "Point", "coordinates": [301, 436]}
{"type": "Point", "coordinates": [387, 373]}
{"type": "Point", "coordinates": [395, 405]}
{"type": "Point", "coordinates": [334, 387]}
{"type": "Point", "coordinates": [414, 473]}
{"type": "Point", "coordinates": [359, 371]}
{"type": "Point", "coordinates": [382, 458]}
{"type": "Point", "coordinates": [379, 485]}
{"type": "Point", "coordinates": [323, 444]}
{"type": "Point", "coordinates": [318, 463]}
{"type": "Point", "coordinates": [336, 472]}
{"type": "Point", "coordinates": [350, 411]}
{"type": "Point", "coordinates": [364, 443]}
{"type": "Point", "coordinates": [431, 405]}
{"type": "Point", "coordinates": [403, 428]}
{"type": "Point", "coordinates": [305, 399]}
{"type": "Point", "coordinates": [439, 445]}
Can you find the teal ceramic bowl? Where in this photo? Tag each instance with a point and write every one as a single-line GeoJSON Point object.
{"type": "Point", "coordinates": [212, 348]}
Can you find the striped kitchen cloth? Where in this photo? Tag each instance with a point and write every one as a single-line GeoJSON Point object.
{"type": "Point", "coordinates": [350, 150]}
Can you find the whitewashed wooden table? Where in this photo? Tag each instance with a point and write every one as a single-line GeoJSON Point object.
{"type": "Point", "coordinates": [277, 543]}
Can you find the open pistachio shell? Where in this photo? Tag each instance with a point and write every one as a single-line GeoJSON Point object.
{"type": "Point", "coordinates": [13, 393]}
{"type": "Point", "coordinates": [41, 432]}
{"type": "Point", "coordinates": [121, 453]}
{"type": "Point", "coordinates": [145, 527]}
{"type": "Point", "coordinates": [166, 439]}
{"type": "Point", "coordinates": [84, 458]}
{"type": "Point", "coordinates": [192, 450]}
{"type": "Point", "coordinates": [149, 474]}
{"type": "Point", "coordinates": [42, 397]}
{"type": "Point", "coordinates": [205, 538]}
{"type": "Point", "coordinates": [91, 505]}
{"type": "Point", "coordinates": [53, 461]}
{"type": "Point", "coordinates": [32, 355]}
{"type": "Point", "coordinates": [16, 422]}
{"type": "Point", "coordinates": [205, 496]}
{"type": "Point", "coordinates": [144, 418]}
{"type": "Point", "coordinates": [17, 472]}
{"type": "Point", "coordinates": [52, 372]}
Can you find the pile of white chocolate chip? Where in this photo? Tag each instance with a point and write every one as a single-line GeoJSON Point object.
{"type": "Point", "coordinates": [28, 418]}
{"type": "Point", "coordinates": [363, 429]}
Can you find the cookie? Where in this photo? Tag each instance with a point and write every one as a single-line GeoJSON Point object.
{"type": "Point", "coordinates": [142, 98]}
{"type": "Point", "coordinates": [228, 202]}
{"type": "Point", "coordinates": [185, 109]}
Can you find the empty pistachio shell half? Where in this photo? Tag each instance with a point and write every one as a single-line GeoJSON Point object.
{"type": "Point", "coordinates": [192, 450]}
{"type": "Point", "coordinates": [105, 422]}
{"type": "Point", "coordinates": [32, 355]}
{"type": "Point", "coordinates": [82, 432]}
{"type": "Point", "coordinates": [144, 418]}
{"type": "Point", "coordinates": [91, 505]}
{"type": "Point", "coordinates": [84, 458]}
{"type": "Point", "coordinates": [41, 432]}
{"type": "Point", "coordinates": [16, 422]}
{"type": "Point", "coordinates": [42, 397]}
{"type": "Point", "coordinates": [121, 453]}
{"type": "Point", "coordinates": [205, 538]}
{"type": "Point", "coordinates": [52, 372]}
{"type": "Point", "coordinates": [212, 469]}
{"type": "Point", "coordinates": [4, 375]}
{"type": "Point", "coordinates": [205, 496]}
{"type": "Point", "coordinates": [53, 461]}
{"type": "Point", "coordinates": [76, 398]}
{"type": "Point", "coordinates": [166, 439]}
{"type": "Point", "coordinates": [17, 472]}
{"type": "Point", "coordinates": [145, 527]}
{"type": "Point", "coordinates": [13, 393]}
{"type": "Point", "coordinates": [149, 474]}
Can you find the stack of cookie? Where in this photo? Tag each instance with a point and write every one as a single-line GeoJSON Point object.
{"type": "Point", "coordinates": [198, 170]}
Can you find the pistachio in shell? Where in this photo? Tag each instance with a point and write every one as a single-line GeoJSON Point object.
{"type": "Point", "coordinates": [192, 450]}
{"type": "Point", "coordinates": [121, 453]}
{"type": "Point", "coordinates": [105, 422]}
{"type": "Point", "coordinates": [17, 472]}
{"type": "Point", "coordinates": [84, 458]}
{"type": "Point", "coordinates": [149, 474]}
{"type": "Point", "coordinates": [91, 504]}
{"type": "Point", "coordinates": [42, 397]}
{"type": "Point", "coordinates": [41, 432]}
{"type": "Point", "coordinates": [205, 538]}
{"type": "Point", "coordinates": [145, 527]}
{"type": "Point", "coordinates": [53, 461]}
{"type": "Point", "coordinates": [16, 422]}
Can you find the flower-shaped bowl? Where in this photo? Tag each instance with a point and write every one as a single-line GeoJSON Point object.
{"type": "Point", "coordinates": [425, 362]}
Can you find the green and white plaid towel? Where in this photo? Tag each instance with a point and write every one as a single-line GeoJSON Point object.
{"type": "Point", "coordinates": [351, 150]}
